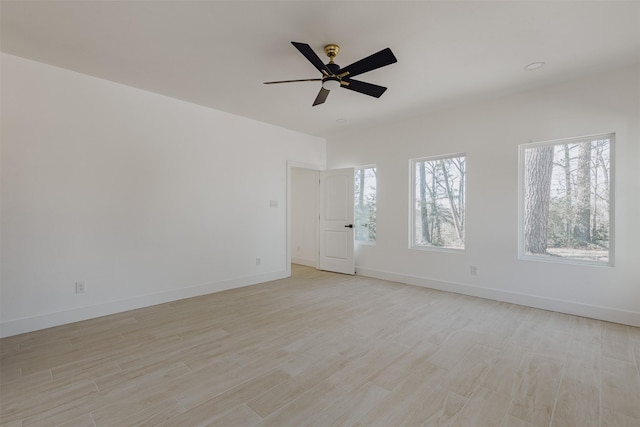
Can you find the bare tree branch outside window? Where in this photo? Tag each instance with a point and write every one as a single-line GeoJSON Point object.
{"type": "Point", "coordinates": [438, 202]}
{"type": "Point", "coordinates": [365, 204]}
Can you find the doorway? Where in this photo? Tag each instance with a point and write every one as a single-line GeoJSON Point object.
{"type": "Point", "coordinates": [310, 205]}
{"type": "Point", "coordinates": [304, 216]}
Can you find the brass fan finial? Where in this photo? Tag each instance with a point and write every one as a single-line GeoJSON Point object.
{"type": "Point", "coordinates": [332, 51]}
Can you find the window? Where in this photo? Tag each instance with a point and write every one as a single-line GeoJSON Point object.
{"type": "Point", "coordinates": [437, 202]}
{"type": "Point", "coordinates": [566, 200]}
{"type": "Point", "coordinates": [365, 204]}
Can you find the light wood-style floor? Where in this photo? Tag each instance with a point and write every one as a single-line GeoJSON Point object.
{"type": "Point", "coordinates": [322, 349]}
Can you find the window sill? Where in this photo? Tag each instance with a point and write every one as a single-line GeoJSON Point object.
{"type": "Point", "coordinates": [437, 249]}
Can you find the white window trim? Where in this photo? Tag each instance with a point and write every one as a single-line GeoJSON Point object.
{"type": "Point", "coordinates": [412, 191]}
{"type": "Point", "coordinates": [522, 255]}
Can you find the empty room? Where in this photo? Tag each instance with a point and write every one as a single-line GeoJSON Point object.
{"type": "Point", "coordinates": [319, 213]}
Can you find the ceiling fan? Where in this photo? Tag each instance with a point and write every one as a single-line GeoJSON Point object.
{"type": "Point", "coordinates": [334, 77]}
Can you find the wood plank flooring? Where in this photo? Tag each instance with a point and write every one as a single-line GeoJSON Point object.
{"type": "Point", "coordinates": [322, 349]}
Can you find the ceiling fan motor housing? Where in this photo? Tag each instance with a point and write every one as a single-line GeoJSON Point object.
{"type": "Point", "coordinates": [334, 68]}
{"type": "Point", "coordinates": [331, 82]}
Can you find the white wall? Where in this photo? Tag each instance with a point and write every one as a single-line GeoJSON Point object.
{"type": "Point", "coordinates": [304, 216]}
{"type": "Point", "coordinates": [489, 133]}
{"type": "Point", "coordinates": [145, 198]}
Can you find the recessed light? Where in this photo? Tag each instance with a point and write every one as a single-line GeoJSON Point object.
{"type": "Point", "coordinates": [341, 121]}
{"type": "Point", "coordinates": [534, 66]}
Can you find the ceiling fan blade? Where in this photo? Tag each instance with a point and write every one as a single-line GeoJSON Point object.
{"type": "Point", "coordinates": [371, 62]}
{"type": "Point", "coordinates": [322, 96]}
{"type": "Point", "coordinates": [364, 87]}
{"type": "Point", "coordinates": [308, 53]}
{"type": "Point", "coordinates": [293, 81]}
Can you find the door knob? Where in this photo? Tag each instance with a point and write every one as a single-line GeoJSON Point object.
{"type": "Point", "coordinates": [349, 226]}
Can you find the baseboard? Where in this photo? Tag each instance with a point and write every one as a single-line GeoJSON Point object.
{"type": "Point", "coordinates": [30, 324]}
{"type": "Point", "coordinates": [631, 318]}
{"type": "Point", "coordinates": [302, 261]}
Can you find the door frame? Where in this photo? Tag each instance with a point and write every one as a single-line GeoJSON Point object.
{"type": "Point", "coordinates": [290, 165]}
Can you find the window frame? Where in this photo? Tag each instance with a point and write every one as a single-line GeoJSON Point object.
{"type": "Point", "coordinates": [412, 204]}
{"type": "Point", "coordinates": [522, 254]}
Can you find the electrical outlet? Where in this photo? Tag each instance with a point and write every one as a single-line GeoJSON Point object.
{"type": "Point", "coordinates": [473, 270]}
{"type": "Point", "coordinates": [257, 261]}
{"type": "Point", "coordinates": [80, 287]}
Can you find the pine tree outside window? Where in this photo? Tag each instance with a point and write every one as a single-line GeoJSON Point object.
{"type": "Point", "coordinates": [566, 200]}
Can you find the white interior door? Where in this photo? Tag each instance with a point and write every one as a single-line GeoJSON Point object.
{"type": "Point", "coordinates": [336, 221]}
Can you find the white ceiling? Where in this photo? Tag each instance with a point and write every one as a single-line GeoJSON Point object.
{"type": "Point", "coordinates": [218, 53]}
